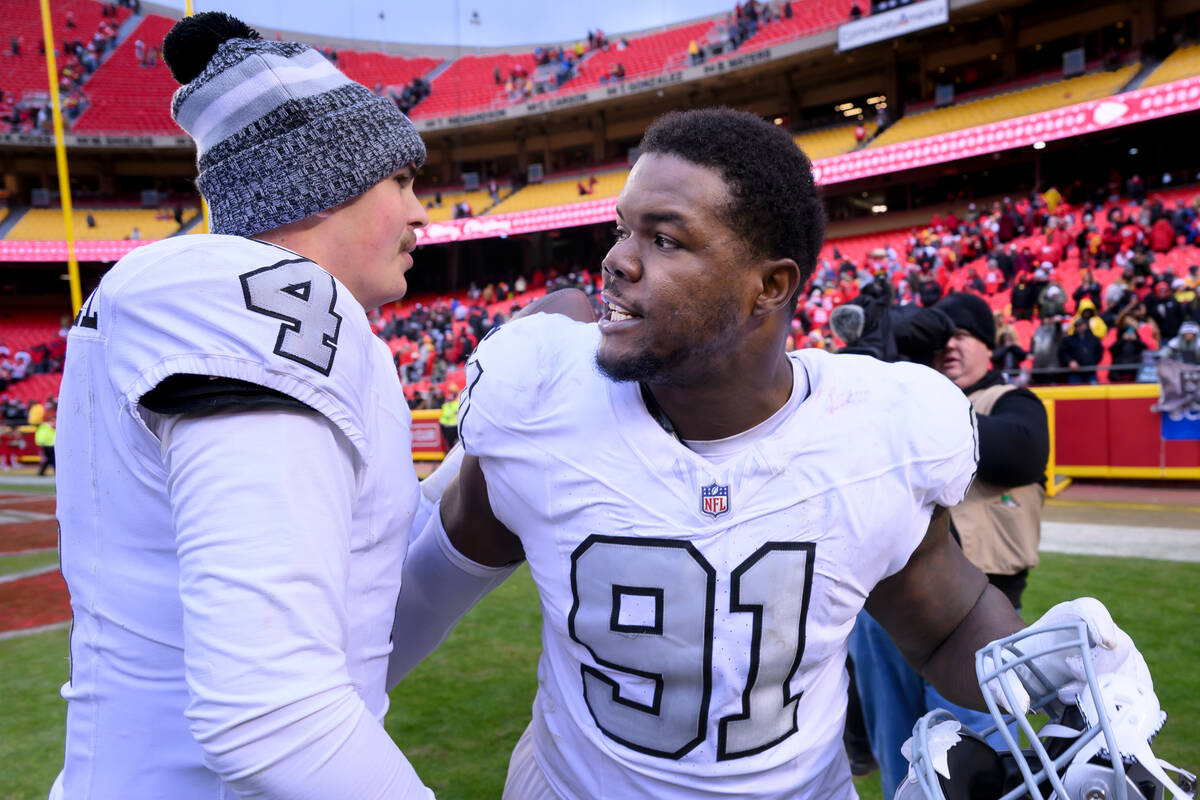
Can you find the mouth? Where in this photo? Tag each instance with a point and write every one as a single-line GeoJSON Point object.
{"type": "Point", "coordinates": [615, 311]}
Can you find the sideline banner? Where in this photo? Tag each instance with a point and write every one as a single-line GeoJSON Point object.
{"type": "Point", "coordinates": [1179, 400]}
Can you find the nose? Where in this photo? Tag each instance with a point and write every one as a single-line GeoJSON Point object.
{"type": "Point", "coordinates": [418, 217]}
{"type": "Point", "coordinates": [622, 262]}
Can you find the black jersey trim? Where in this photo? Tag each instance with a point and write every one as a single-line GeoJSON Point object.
{"type": "Point", "coordinates": [190, 394]}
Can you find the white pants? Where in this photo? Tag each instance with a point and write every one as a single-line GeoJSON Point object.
{"type": "Point", "coordinates": [525, 780]}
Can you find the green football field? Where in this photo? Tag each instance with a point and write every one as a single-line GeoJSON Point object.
{"type": "Point", "coordinates": [459, 714]}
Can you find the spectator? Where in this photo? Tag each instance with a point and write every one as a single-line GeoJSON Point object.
{"type": "Point", "coordinates": [1081, 349]}
{"type": "Point", "coordinates": [1045, 345]}
{"type": "Point", "coordinates": [1162, 235]}
{"type": "Point", "coordinates": [1126, 350]}
{"type": "Point", "coordinates": [1052, 302]}
{"type": "Point", "coordinates": [1165, 310]}
{"type": "Point", "coordinates": [1089, 288]}
{"type": "Point", "coordinates": [855, 11]}
{"type": "Point", "coordinates": [1007, 357]}
{"type": "Point", "coordinates": [44, 438]}
{"type": "Point", "coordinates": [1013, 446]}
{"type": "Point", "coordinates": [449, 418]}
{"type": "Point", "coordinates": [1023, 298]}
{"type": "Point", "coordinates": [1185, 347]}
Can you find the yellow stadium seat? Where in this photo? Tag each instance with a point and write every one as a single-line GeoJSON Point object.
{"type": "Point", "coordinates": [479, 200]}
{"type": "Point", "coordinates": [1183, 63]}
{"type": "Point", "coordinates": [46, 224]}
{"type": "Point", "coordinates": [1006, 106]}
{"type": "Point", "coordinates": [562, 192]}
{"type": "Point", "coordinates": [831, 141]}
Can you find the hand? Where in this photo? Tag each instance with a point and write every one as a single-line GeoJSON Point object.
{"type": "Point", "coordinates": [1111, 649]}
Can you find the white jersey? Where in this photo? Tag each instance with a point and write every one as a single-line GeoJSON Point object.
{"type": "Point", "coordinates": [216, 306]}
{"type": "Point", "coordinates": [696, 614]}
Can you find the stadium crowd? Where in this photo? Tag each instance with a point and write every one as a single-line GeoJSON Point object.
{"type": "Point", "coordinates": [1086, 286]}
{"type": "Point", "coordinates": [1077, 281]}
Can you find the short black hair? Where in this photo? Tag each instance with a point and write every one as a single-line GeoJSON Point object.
{"type": "Point", "coordinates": [774, 201]}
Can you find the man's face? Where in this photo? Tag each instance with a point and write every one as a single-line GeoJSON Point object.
{"type": "Point", "coordinates": [964, 359]}
{"type": "Point", "coordinates": [678, 289]}
{"type": "Point", "coordinates": [371, 239]}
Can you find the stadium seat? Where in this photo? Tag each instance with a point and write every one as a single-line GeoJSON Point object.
{"type": "Point", "coordinates": [22, 330]}
{"type": "Point", "coordinates": [831, 141]}
{"type": "Point", "coordinates": [127, 97]}
{"type": "Point", "coordinates": [1007, 105]}
{"type": "Point", "coordinates": [46, 224]}
{"type": "Point", "coordinates": [479, 200]}
{"type": "Point", "coordinates": [808, 17]}
{"type": "Point", "coordinates": [1183, 63]}
{"type": "Point", "coordinates": [381, 69]}
{"type": "Point", "coordinates": [469, 84]}
{"type": "Point", "coordinates": [26, 73]}
{"type": "Point", "coordinates": [645, 55]}
{"type": "Point", "coordinates": [563, 191]}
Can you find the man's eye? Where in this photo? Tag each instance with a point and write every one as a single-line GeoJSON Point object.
{"type": "Point", "coordinates": [620, 234]}
{"type": "Point", "coordinates": [664, 242]}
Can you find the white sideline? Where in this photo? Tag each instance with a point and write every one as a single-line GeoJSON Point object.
{"type": "Point", "coordinates": [1133, 541]}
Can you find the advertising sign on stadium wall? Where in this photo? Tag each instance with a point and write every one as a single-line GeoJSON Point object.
{"type": "Point", "coordinates": [1154, 102]}
{"type": "Point", "coordinates": [890, 24]}
{"type": "Point", "coordinates": [1177, 97]}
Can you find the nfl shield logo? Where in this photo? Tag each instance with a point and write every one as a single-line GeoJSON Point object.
{"type": "Point", "coordinates": [714, 499]}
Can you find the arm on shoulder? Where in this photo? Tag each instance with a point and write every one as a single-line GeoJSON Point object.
{"type": "Point", "coordinates": [939, 609]}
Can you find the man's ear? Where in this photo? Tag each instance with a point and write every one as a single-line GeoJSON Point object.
{"type": "Point", "coordinates": [780, 281]}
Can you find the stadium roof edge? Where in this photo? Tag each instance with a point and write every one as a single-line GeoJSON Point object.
{"type": "Point", "coordinates": [417, 49]}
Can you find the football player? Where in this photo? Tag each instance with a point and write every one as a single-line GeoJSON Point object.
{"type": "Point", "coordinates": [702, 512]}
{"type": "Point", "coordinates": [236, 486]}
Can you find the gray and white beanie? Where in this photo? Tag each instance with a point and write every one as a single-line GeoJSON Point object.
{"type": "Point", "coordinates": [281, 134]}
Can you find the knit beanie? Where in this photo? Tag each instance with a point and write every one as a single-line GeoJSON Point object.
{"type": "Point", "coordinates": [970, 313]}
{"type": "Point", "coordinates": [280, 132]}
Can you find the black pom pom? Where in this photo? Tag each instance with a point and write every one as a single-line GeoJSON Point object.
{"type": "Point", "coordinates": [193, 41]}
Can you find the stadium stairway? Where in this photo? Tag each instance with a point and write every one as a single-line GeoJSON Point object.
{"type": "Point", "coordinates": [1148, 66]}
{"type": "Point", "coordinates": [10, 220]}
{"type": "Point", "coordinates": [1182, 63]}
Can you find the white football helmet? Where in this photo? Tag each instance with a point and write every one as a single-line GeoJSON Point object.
{"type": "Point", "coordinates": [1094, 748]}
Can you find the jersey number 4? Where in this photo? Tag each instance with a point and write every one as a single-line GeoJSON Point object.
{"type": "Point", "coordinates": [645, 608]}
{"type": "Point", "coordinates": [303, 297]}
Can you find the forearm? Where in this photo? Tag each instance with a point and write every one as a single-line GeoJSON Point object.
{"type": "Point", "coordinates": [951, 666]}
{"type": "Point", "coordinates": [440, 585]}
{"type": "Point", "coordinates": [1014, 441]}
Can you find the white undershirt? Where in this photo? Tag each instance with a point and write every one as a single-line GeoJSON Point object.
{"type": "Point", "coordinates": [721, 450]}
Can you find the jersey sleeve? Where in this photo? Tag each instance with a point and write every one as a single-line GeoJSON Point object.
{"type": "Point", "coordinates": [944, 441]}
{"type": "Point", "coordinates": [518, 381]}
{"type": "Point", "coordinates": [234, 309]}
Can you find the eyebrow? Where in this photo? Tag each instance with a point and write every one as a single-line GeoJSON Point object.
{"type": "Point", "coordinates": [652, 217]}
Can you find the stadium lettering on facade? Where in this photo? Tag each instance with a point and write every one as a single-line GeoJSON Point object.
{"type": "Point", "coordinates": [72, 140]}
{"type": "Point", "coordinates": [653, 82]}
{"type": "Point", "coordinates": [557, 102]}
{"type": "Point", "coordinates": [740, 61]}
